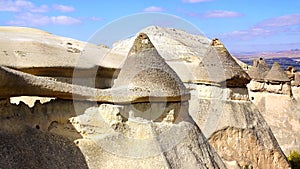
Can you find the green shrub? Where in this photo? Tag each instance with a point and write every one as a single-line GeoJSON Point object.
{"type": "Point", "coordinates": [294, 159]}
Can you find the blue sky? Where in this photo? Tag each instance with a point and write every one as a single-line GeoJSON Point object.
{"type": "Point", "coordinates": [243, 25]}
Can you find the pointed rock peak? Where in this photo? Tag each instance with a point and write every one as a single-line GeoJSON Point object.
{"type": "Point", "coordinates": [141, 43]}
{"type": "Point", "coordinates": [259, 69]}
{"type": "Point", "coordinates": [277, 74]}
{"type": "Point", "coordinates": [262, 63]}
{"type": "Point", "coordinates": [146, 74]}
{"type": "Point", "coordinates": [255, 63]}
{"type": "Point", "coordinates": [219, 67]}
{"type": "Point", "coordinates": [276, 66]}
{"type": "Point", "coordinates": [217, 43]}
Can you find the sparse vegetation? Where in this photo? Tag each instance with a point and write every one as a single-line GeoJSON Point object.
{"type": "Point", "coordinates": [294, 159]}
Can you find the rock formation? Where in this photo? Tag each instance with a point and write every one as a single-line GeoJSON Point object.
{"type": "Point", "coordinates": [37, 52]}
{"type": "Point", "coordinates": [219, 67]}
{"type": "Point", "coordinates": [142, 121]}
{"type": "Point", "coordinates": [277, 81]}
{"type": "Point", "coordinates": [233, 125]}
{"type": "Point", "coordinates": [293, 75]}
{"type": "Point", "coordinates": [296, 82]}
{"type": "Point", "coordinates": [276, 74]}
{"type": "Point", "coordinates": [291, 71]}
{"type": "Point", "coordinates": [188, 47]}
{"type": "Point", "coordinates": [259, 70]}
{"type": "Point", "coordinates": [278, 100]}
{"type": "Point", "coordinates": [139, 113]}
{"type": "Point", "coordinates": [273, 80]}
{"type": "Point", "coordinates": [219, 97]}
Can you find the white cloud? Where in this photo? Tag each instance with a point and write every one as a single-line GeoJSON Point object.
{"type": "Point", "coordinates": [153, 9]}
{"type": "Point", "coordinates": [285, 20]}
{"type": "Point", "coordinates": [21, 5]}
{"type": "Point", "coordinates": [30, 19]}
{"type": "Point", "coordinates": [195, 1]}
{"type": "Point", "coordinates": [64, 20]}
{"type": "Point", "coordinates": [221, 14]}
{"type": "Point", "coordinates": [249, 34]}
{"type": "Point", "coordinates": [63, 8]}
{"type": "Point", "coordinates": [278, 25]}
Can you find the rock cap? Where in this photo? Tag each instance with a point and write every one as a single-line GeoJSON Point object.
{"type": "Point", "coordinates": [145, 71]}
{"type": "Point", "coordinates": [259, 70]}
{"type": "Point", "coordinates": [219, 67]}
{"type": "Point", "coordinates": [276, 74]}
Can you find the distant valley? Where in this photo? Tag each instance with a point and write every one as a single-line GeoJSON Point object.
{"type": "Point", "coordinates": [284, 58]}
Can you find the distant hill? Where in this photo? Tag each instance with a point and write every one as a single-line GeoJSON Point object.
{"type": "Point", "coordinates": [284, 58]}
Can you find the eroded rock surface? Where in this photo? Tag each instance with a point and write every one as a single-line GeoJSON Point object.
{"type": "Point", "coordinates": [140, 143]}
{"type": "Point", "coordinates": [234, 127]}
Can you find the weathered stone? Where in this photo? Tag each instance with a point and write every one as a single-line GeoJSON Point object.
{"type": "Point", "coordinates": [219, 67]}
{"type": "Point", "coordinates": [280, 88]}
{"type": "Point", "coordinates": [36, 149]}
{"type": "Point", "coordinates": [144, 76]}
{"type": "Point", "coordinates": [141, 143]}
{"type": "Point", "coordinates": [276, 74]}
{"type": "Point", "coordinates": [296, 82]}
{"type": "Point", "coordinates": [256, 86]}
{"type": "Point", "coordinates": [259, 70]}
{"type": "Point", "coordinates": [188, 47]}
{"type": "Point", "coordinates": [281, 113]}
{"type": "Point", "coordinates": [290, 71]}
{"type": "Point", "coordinates": [146, 71]}
{"type": "Point", "coordinates": [235, 128]}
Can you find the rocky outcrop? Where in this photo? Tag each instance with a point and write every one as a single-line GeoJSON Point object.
{"type": "Point", "coordinates": [226, 90]}
{"type": "Point", "coordinates": [137, 142]}
{"type": "Point", "coordinates": [281, 113]}
{"type": "Point", "coordinates": [296, 82]}
{"type": "Point", "coordinates": [290, 72]}
{"type": "Point", "coordinates": [276, 74]}
{"type": "Point", "coordinates": [43, 54]}
{"type": "Point", "coordinates": [142, 121]}
{"type": "Point", "coordinates": [273, 80]}
{"type": "Point", "coordinates": [96, 133]}
{"type": "Point", "coordinates": [236, 130]}
{"type": "Point", "coordinates": [35, 149]}
{"type": "Point", "coordinates": [144, 75]}
{"type": "Point", "coordinates": [293, 75]}
{"type": "Point", "coordinates": [219, 67]}
{"type": "Point", "coordinates": [278, 103]}
{"type": "Point", "coordinates": [234, 127]}
{"type": "Point", "coordinates": [259, 70]}
{"type": "Point", "coordinates": [188, 47]}
{"type": "Point", "coordinates": [146, 71]}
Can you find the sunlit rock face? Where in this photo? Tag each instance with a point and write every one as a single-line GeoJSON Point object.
{"type": "Point", "coordinates": [275, 95]}
{"type": "Point", "coordinates": [146, 117]}
{"type": "Point", "coordinates": [142, 128]}
{"type": "Point", "coordinates": [227, 117]}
